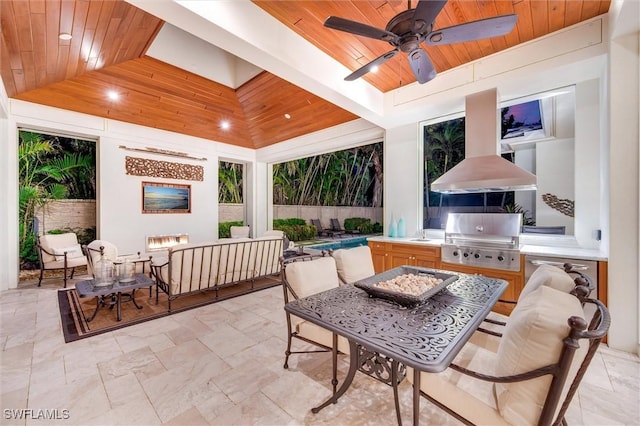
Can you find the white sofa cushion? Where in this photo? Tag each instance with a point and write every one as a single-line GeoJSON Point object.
{"type": "Point", "coordinates": [532, 339]}
{"type": "Point", "coordinates": [354, 264]}
{"type": "Point", "coordinates": [548, 275]}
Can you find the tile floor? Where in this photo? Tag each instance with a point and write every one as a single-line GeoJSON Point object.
{"type": "Point", "coordinates": [221, 365]}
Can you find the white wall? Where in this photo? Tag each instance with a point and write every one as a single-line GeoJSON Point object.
{"type": "Point", "coordinates": [9, 259]}
{"type": "Point", "coordinates": [623, 187]}
{"type": "Point", "coordinates": [403, 178]}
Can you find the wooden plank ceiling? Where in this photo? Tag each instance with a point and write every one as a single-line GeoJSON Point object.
{"type": "Point", "coordinates": [110, 37]}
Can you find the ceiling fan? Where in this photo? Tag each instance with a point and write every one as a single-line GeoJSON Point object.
{"type": "Point", "coordinates": [408, 29]}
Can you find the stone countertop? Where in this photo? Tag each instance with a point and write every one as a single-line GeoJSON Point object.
{"type": "Point", "coordinates": [562, 248]}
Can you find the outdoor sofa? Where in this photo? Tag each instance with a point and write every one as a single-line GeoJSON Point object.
{"type": "Point", "coordinates": [209, 267]}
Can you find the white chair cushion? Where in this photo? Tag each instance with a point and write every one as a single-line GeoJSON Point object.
{"type": "Point", "coordinates": [239, 231]}
{"type": "Point", "coordinates": [354, 264]}
{"type": "Point", "coordinates": [110, 250]}
{"type": "Point", "coordinates": [72, 252]}
{"type": "Point", "coordinates": [313, 276]}
{"type": "Point", "coordinates": [51, 241]}
{"type": "Point", "coordinates": [548, 275]}
{"type": "Point", "coordinates": [532, 339]}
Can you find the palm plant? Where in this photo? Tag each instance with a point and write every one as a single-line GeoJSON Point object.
{"type": "Point", "coordinates": [42, 179]}
{"type": "Point", "coordinates": [229, 182]}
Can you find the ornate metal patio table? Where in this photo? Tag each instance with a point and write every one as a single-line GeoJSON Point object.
{"type": "Point", "coordinates": [385, 337]}
{"type": "Point", "coordinates": [88, 288]}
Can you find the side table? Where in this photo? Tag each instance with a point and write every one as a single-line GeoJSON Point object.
{"type": "Point", "coordinates": [87, 288]}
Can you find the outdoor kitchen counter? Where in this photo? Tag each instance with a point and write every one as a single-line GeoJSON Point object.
{"type": "Point", "coordinates": [563, 248]}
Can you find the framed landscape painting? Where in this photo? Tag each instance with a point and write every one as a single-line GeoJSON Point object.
{"type": "Point", "coordinates": [165, 198]}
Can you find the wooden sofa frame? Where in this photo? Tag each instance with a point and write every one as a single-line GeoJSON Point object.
{"type": "Point", "coordinates": [209, 267]}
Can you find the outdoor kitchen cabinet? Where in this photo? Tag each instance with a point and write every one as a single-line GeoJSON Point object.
{"type": "Point", "coordinates": [391, 255]}
{"type": "Point", "coordinates": [379, 256]}
{"type": "Point", "coordinates": [514, 278]}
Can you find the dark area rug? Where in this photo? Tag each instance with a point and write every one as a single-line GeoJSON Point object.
{"type": "Point", "coordinates": [75, 311]}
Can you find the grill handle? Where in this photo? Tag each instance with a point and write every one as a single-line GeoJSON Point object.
{"type": "Point", "coordinates": [575, 266]}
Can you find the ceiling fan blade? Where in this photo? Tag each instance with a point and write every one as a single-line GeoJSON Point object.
{"type": "Point", "coordinates": [357, 28]}
{"type": "Point", "coordinates": [376, 62]}
{"type": "Point", "coordinates": [425, 14]}
{"type": "Point", "coordinates": [475, 30]}
{"type": "Point", "coordinates": [421, 65]}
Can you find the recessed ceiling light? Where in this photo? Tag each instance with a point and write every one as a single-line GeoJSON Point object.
{"type": "Point", "coordinates": [64, 36]}
{"type": "Point", "coordinates": [287, 116]}
{"type": "Point", "coordinates": [374, 68]}
{"type": "Point", "coordinates": [225, 125]}
{"type": "Point", "coordinates": [113, 95]}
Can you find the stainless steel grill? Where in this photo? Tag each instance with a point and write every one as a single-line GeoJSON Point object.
{"type": "Point", "coordinates": [487, 240]}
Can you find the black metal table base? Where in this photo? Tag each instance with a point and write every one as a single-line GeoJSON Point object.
{"type": "Point", "coordinates": [116, 300]}
{"type": "Point", "coordinates": [380, 367]}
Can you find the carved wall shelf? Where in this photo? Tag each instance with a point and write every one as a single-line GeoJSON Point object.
{"type": "Point", "coordinates": [152, 150]}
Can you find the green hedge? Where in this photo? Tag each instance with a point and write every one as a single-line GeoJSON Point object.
{"type": "Point", "coordinates": [224, 230]}
{"type": "Point", "coordinates": [362, 224]}
{"type": "Point", "coordinates": [295, 229]}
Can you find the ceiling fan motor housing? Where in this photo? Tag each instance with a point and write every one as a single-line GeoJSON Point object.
{"type": "Point", "coordinates": [402, 25]}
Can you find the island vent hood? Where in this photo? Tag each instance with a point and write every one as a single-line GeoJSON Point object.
{"type": "Point", "coordinates": [483, 169]}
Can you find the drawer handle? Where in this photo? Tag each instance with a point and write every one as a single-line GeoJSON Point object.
{"type": "Point", "coordinates": [576, 266]}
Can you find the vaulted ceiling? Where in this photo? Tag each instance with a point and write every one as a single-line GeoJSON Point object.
{"type": "Point", "coordinates": [110, 39]}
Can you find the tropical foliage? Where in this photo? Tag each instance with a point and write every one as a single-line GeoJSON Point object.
{"type": "Point", "coordinates": [50, 168]}
{"type": "Point", "coordinates": [230, 182]}
{"type": "Point", "coordinates": [351, 177]}
{"type": "Point", "coordinates": [295, 229]}
{"type": "Point", "coordinates": [443, 149]}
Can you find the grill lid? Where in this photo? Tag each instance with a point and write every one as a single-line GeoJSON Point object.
{"type": "Point", "coordinates": [490, 229]}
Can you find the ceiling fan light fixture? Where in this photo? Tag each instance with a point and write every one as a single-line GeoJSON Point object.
{"type": "Point", "coordinates": [435, 37]}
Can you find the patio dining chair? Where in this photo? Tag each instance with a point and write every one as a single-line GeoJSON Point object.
{"type": "Point", "coordinates": [304, 276]}
{"type": "Point", "coordinates": [545, 350]}
{"type": "Point", "coordinates": [59, 251]}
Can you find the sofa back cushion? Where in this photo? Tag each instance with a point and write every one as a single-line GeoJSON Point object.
{"type": "Point", "coordinates": [548, 275]}
{"type": "Point", "coordinates": [354, 264]}
{"type": "Point", "coordinates": [199, 266]}
{"type": "Point", "coordinates": [533, 338]}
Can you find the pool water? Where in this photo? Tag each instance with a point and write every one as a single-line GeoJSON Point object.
{"type": "Point", "coordinates": [346, 243]}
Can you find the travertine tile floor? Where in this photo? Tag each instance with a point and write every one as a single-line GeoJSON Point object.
{"type": "Point", "coordinates": [221, 365]}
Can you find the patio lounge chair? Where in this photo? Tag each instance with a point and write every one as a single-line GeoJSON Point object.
{"type": "Point", "coordinates": [321, 231]}
{"type": "Point", "coordinates": [336, 228]}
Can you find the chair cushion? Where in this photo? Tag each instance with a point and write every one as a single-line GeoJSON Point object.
{"type": "Point", "coordinates": [239, 231]}
{"type": "Point", "coordinates": [354, 264]}
{"type": "Point", "coordinates": [533, 339]}
{"type": "Point", "coordinates": [313, 276]}
{"type": "Point", "coordinates": [72, 252]}
{"type": "Point", "coordinates": [548, 275]}
{"type": "Point", "coordinates": [51, 241]}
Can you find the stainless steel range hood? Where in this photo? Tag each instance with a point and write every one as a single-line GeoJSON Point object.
{"type": "Point", "coordinates": [483, 169]}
